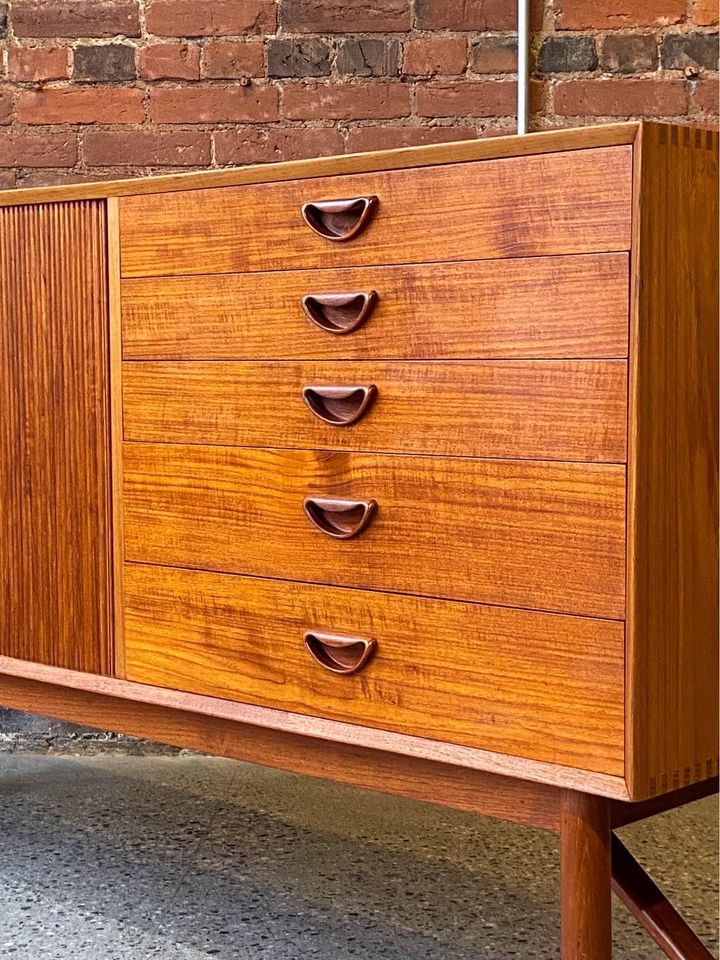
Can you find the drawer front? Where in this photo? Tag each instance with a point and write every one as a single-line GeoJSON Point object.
{"type": "Point", "coordinates": [540, 686]}
{"type": "Point", "coordinates": [554, 410]}
{"type": "Point", "coordinates": [555, 307]}
{"type": "Point", "coordinates": [573, 202]}
{"type": "Point", "coordinates": [548, 536]}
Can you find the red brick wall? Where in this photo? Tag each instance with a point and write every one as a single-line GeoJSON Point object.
{"type": "Point", "coordinates": [92, 89]}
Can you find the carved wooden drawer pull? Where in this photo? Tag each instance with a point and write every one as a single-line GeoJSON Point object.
{"type": "Point", "coordinates": [339, 220]}
{"type": "Point", "coordinates": [337, 653]}
{"type": "Point", "coordinates": [342, 519]}
{"type": "Point", "coordinates": [339, 312]}
{"type": "Point", "coordinates": [340, 406]}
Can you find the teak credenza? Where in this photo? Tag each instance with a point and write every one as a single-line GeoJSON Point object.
{"type": "Point", "coordinates": [398, 469]}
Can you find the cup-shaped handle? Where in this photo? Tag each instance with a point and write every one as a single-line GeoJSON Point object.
{"type": "Point", "coordinates": [339, 220]}
{"type": "Point", "coordinates": [341, 519]}
{"type": "Point", "coordinates": [339, 312]}
{"type": "Point", "coordinates": [339, 406]}
{"type": "Point", "coordinates": [338, 653]}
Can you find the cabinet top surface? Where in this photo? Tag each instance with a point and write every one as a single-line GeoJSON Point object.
{"type": "Point", "coordinates": [549, 141]}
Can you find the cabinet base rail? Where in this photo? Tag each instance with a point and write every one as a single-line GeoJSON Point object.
{"type": "Point", "coordinates": [593, 860]}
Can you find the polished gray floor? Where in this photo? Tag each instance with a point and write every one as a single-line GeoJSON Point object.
{"type": "Point", "coordinates": [109, 856]}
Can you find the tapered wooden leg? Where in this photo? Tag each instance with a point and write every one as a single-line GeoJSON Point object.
{"type": "Point", "coordinates": [585, 879]}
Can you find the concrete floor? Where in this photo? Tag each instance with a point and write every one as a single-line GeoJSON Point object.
{"type": "Point", "coordinates": [108, 856]}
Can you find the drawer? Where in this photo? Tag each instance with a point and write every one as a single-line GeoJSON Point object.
{"type": "Point", "coordinates": [548, 536]}
{"type": "Point", "coordinates": [541, 686]}
{"type": "Point", "coordinates": [555, 307]}
{"type": "Point", "coordinates": [554, 410]}
{"type": "Point", "coordinates": [572, 202]}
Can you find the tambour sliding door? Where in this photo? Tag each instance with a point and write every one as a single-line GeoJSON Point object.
{"type": "Point", "coordinates": [54, 436]}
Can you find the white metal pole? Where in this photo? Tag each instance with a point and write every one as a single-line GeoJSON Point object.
{"type": "Point", "coordinates": [523, 67]}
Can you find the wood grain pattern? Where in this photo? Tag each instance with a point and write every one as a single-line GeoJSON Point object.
{"type": "Point", "coordinates": [585, 878]}
{"type": "Point", "coordinates": [545, 410]}
{"type": "Point", "coordinates": [125, 708]}
{"type": "Point", "coordinates": [672, 680]}
{"type": "Point", "coordinates": [554, 307]}
{"type": "Point", "coordinates": [519, 533]}
{"type": "Point", "coordinates": [456, 672]}
{"type": "Point", "coordinates": [304, 729]}
{"type": "Point", "coordinates": [544, 141]}
{"type": "Point", "coordinates": [573, 202]}
{"type": "Point", "coordinates": [54, 458]}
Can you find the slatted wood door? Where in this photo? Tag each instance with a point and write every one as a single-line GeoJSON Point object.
{"type": "Point", "coordinates": [54, 453]}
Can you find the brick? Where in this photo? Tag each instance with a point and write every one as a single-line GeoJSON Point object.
{"type": "Point", "coordinates": [494, 55]}
{"type": "Point", "coordinates": [32, 64]}
{"type": "Point", "coordinates": [38, 150]}
{"type": "Point", "coordinates": [629, 53]}
{"type": "Point", "coordinates": [109, 63]}
{"type": "Point", "coordinates": [468, 98]}
{"type": "Point", "coordinates": [50, 177]}
{"type": "Point", "coordinates": [298, 58]}
{"type": "Point", "coordinates": [122, 173]}
{"type": "Point", "coordinates": [214, 103]}
{"type": "Point", "coordinates": [620, 14]}
{"type": "Point", "coordinates": [169, 61]}
{"type": "Point", "coordinates": [464, 15]}
{"type": "Point", "coordinates": [3, 20]}
{"type": "Point", "coordinates": [266, 146]}
{"type": "Point", "coordinates": [363, 139]}
{"type": "Point", "coordinates": [76, 18]}
{"type": "Point", "coordinates": [567, 55]}
{"type": "Point", "coordinates": [538, 97]}
{"type": "Point", "coordinates": [225, 59]}
{"type": "Point", "coordinates": [443, 56]}
{"type": "Point", "coordinates": [479, 15]}
{"type": "Point", "coordinates": [368, 58]}
{"type": "Point", "coordinates": [501, 128]}
{"type": "Point", "coordinates": [621, 98]}
{"type": "Point", "coordinates": [706, 95]}
{"type": "Point", "coordinates": [211, 18]}
{"type": "Point", "coordinates": [100, 174]}
{"type": "Point", "coordinates": [681, 50]}
{"type": "Point", "coordinates": [706, 13]}
{"type": "Point", "coordinates": [345, 16]}
{"type": "Point", "coordinates": [350, 101]}
{"type": "Point", "coordinates": [7, 103]}
{"type": "Point", "coordinates": [81, 105]}
{"type": "Point", "coordinates": [147, 148]}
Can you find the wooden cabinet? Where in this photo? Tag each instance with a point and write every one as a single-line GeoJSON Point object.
{"type": "Point", "coordinates": [407, 459]}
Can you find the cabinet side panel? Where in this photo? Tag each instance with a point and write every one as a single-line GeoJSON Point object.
{"type": "Point", "coordinates": [54, 454]}
{"type": "Point", "coordinates": [673, 589]}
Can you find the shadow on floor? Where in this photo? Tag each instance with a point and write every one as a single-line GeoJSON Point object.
{"type": "Point", "coordinates": [188, 857]}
